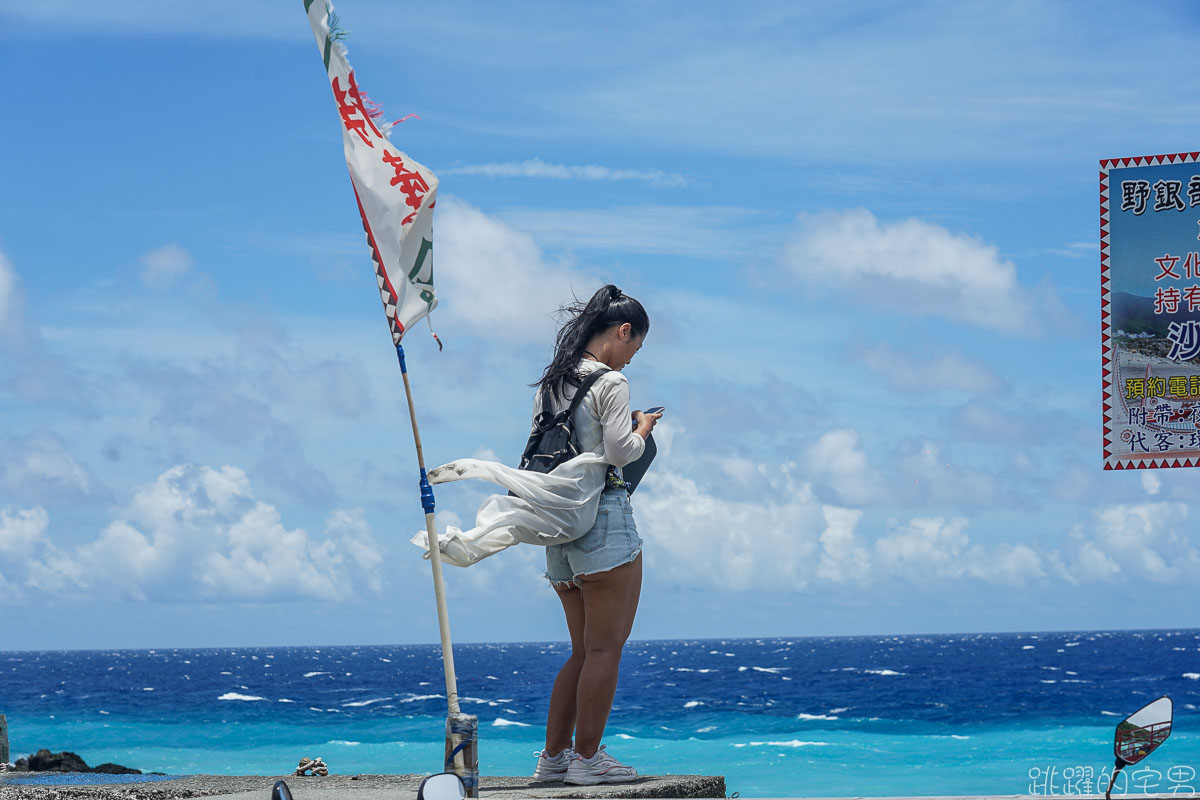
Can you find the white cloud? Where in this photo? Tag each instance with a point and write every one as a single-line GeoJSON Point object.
{"type": "Point", "coordinates": [921, 374]}
{"type": "Point", "coordinates": [844, 559]}
{"type": "Point", "coordinates": [26, 553]}
{"type": "Point", "coordinates": [536, 168]}
{"type": "Point", "coordinates": [1151, 482]}
{"type": "Point", "coordinates": [704, 232]}
{"type": "Point", "coordinates": [40, 466]}
{"type": "Point", "coordinates": [21, 529]}
{"type": "Point", "coordinates": [912, 266]}
{"type": "Point", "coordinates": [924, 548]}
{"type": "Point", "coordinates": [837, 458]}
{"type": "Point", "coordinates": [10, 310]}
{"type": "Point", "coordinates": [1148, 541]}
{"type": "Point", "coordinates": [162, 266]}
{"type": "Point", "coordinates": [703, 539]}
{"type": "Point", "coordinates": [493, 279]}
{"type": "Point", "coordinates": [27, 369]}
{"type": "Point", "coordinates": [198, 533]}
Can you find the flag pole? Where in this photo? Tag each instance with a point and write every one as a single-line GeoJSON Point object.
{"type": "Point", "coordinates": [461, 729]}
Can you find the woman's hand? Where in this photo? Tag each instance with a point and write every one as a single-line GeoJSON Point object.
{"type": "Point", "coordinates": [644, 422]}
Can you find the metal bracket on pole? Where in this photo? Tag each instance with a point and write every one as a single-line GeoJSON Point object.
{"type": "Point", "coordinates": [426, 493]}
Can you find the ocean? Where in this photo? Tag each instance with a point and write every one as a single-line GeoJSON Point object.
{"type": "Point", "coordinates": [1009, 713]}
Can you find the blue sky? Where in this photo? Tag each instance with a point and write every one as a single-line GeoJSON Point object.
{"type": "Point", "coordinates": [866, 236]}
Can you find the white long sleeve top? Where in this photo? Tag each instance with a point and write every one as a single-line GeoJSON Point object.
{"type": "Point", "coordinates": [552, 508]}
{"type": "Point", "coordinates": [603, 422]}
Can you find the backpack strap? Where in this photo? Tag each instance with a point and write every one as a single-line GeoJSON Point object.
{"type": "Point", "coordinates": [582, 391]}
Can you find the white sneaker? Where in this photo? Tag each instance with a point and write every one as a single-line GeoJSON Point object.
{"type": "Point", "coordinates": [552, 768]}
{"type": "Point", "coordinates": [600, 768]}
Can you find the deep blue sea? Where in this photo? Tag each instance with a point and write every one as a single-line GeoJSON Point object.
{"type": "Point", "coordinates": [1030, 713]}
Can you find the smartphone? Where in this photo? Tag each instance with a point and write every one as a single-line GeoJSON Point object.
{"type": "Point", "coordinates": [656, 410]}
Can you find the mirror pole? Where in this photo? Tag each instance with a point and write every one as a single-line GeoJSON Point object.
{"type": "Point", "coordinates": [1113, 779]}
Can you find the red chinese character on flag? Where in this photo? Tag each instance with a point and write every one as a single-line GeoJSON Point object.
{"type": "Point", "coordinates": [411, 184]}
{"type": "Point", "coordinates": [354, 124]}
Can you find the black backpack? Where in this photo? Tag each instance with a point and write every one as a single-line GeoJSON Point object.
{"type": "Point", "coordinates": [553, 439]}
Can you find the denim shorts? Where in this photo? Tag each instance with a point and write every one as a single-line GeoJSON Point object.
{"type": "Point", "coordinates": [611, 542]}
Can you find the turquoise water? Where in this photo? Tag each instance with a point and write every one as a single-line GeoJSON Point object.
{"type": "Point", "coordinates": [977, 714]}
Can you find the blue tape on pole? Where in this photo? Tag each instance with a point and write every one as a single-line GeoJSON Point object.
{"type": "Point", "coordinates": [400, 355]}
{"type": "Point", "coordinates": [426, 494]}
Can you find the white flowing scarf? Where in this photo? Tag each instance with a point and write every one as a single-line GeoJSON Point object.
{"type": "Point", "coordinates": [551, 508]}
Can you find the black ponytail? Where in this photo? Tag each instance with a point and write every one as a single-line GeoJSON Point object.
{"type": "Point", "coordinates": [607, 307]}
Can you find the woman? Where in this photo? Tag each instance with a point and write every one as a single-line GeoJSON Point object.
{"type": "Point", "coordinates": [580, 512]}
{"type": "Point", "coordinates": [597, 577]}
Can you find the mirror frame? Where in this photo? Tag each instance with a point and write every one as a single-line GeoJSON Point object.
{"type": "Point", "coordinates": [439, 777]}
{"type": "Point", "coordinates": [1147, 736]}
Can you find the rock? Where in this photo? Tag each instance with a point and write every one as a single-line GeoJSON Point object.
{"type": "Point", "coordinates": [66, 761]}
{"type": "Point", "coordinates": [116, 769]}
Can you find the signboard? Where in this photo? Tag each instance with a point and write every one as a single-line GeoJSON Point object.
{"type": "Point", "coordinates": [1150, 310]}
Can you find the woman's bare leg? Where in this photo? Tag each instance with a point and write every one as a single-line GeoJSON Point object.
{"type": "Point", "coordinates": [610, 601]}
{"type": "Point", "coordinates": [560, 721]}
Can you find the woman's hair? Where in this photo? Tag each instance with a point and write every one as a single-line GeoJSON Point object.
{"type": "Point", "coordinates": [607, 307]}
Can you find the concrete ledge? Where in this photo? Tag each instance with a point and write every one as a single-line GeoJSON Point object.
{"type": "Point", "coordinates": [343, 787]}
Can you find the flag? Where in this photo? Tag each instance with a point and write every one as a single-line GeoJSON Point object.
{"type": "Point", "coordinates": [395, 194]}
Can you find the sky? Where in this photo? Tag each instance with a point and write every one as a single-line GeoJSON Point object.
{"type": "Point", "coordinates": [866, 235]}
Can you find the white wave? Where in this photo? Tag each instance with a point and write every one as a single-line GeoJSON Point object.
{"type": "Point", "coordinates": [1110, 713]}
{"type": "Point", "coordinates": [882, 672]}
{"type": "Point", "coordinates": [418, 697]}
{"type": "Point", "coordinates": [501, 722]}
{"type": "Point", "coordinates": [104, 712]}
{"type": "Point", "coordinates": [693, 703]}
{"type": "Point", "coordinates": [839, 710]}
{"type": "Point", "coordinates": [314, 674]}
{"type": "Point", "coordinates": [147, 688]}
{"type": "Point", "coordinates": [706, 729]}
{"type": "Point", "coordinates": [343, 742]}
{"type": "Point", "coordinates": [1028, 647]}
{"type": "Point", "coordinates": [814, 716]}
{"type": "Point", "coordinates": [1047, 681]}
{"type": "Point", "coordinates": [623, 736]}
{"type": "Point", "coordinates": [223, 673]}
{"type": "Point", "coordinates": [491, 677]}
{"type": "Point", "coordinates": [956, 736]}
{"type": "Point", "coordinates": [236, 696]}
{"type": "Point", "coordinates": [789, 743]}
{"type": "Point", "coordinates": [1192, 676]}
{"type": "Point", "coordinates": [286, 700]}
{"type": "Point", "coordinates": [772, 670]}
{"type": "Point", "coordinates": [385, 660]}
{"type": "Point", "coordinates": [361, 703]}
